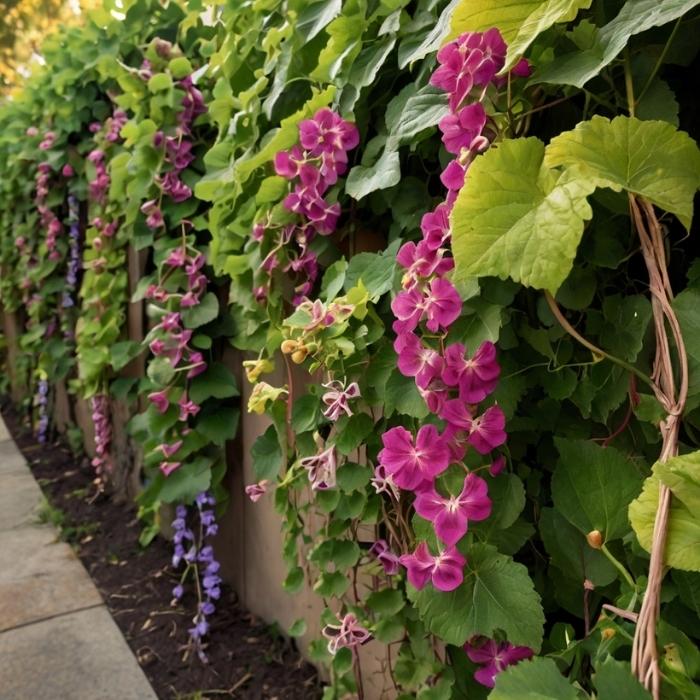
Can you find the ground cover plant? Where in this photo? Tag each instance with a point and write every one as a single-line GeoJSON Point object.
{"type": "Point", "coordinates": [463, 234]}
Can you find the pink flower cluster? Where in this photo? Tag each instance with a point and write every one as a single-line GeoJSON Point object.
{"type": "Point", "coordinates": [312, 166]}
{"type": "Point", "coordinates": [450, 379]}
{"type": "Point", "coordinates": [178, 154]}
{"type": "Point", "coordinates": [49, 220]}
{"type": "Point", "coordinates": [102, 461]}
{"type": "Point", "coordinates": [172, 342]}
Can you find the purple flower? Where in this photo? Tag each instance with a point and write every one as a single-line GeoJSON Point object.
{"type": "Point", "coordinates": [327, 132]}
{"type": "Point", "coordinates": [487, 431]}
{"type": "Point", "coordinates": [383, 482]}
{"type": "Point", "coordinates": [256, 491]}
{"type": "Point", "coordinates": [187, 408]}
{"type": "Point", "coordinates": [337, 397]}
{"type": "Point", "coordinates": [413, 465]}
{"type": "Point", "coordinates": [417, 360]}
{"type": "Point", "coordinates": [389, 561]}
{"type": "Point", "coordinates": [160, 400]}
{"type": "Point", "coordinates": [444, 570]}
{"type": "Point", "coordinates": [475, 376]}
{"type": "Point", "coordinates": [435, 226]}
{"type": "Point", "coordinates": [493, 658]}
{"type": "Point", "coordinates": [451, 515]}
{"type": "Point", "coordinates": [463, 130]}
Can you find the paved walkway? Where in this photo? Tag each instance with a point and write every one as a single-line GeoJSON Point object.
{"type": "Point", "coordinates": [57, 638]}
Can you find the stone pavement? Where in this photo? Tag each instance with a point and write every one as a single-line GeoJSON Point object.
{"type": "Point", "coordinates": [57, 638]}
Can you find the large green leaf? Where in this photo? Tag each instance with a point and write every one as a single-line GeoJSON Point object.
{"type": "Point", "coordinates": [516, 218]}
{"type": "Point", "coordinates": [636, 16]}
{"type": "Point", "coordinates": [363, 179]}
{"type": "Point", "coordinates": [497, 594]}
{"type": "Point", "coordinates": [519, 22]}
{"type": "Point", "coordinates": [682, 475]}
{"type": "Point", "coordinates": [266, 454]}
{"type": "Point", "coordinates": [592, 487]}
{"type": "Point", "coordinates": [649, 158]}
{"type": "Point", "coordinates": [538, 679]}
{"type": "Point", "coordinates": [682, 548]}
{"type": "Point", "coordinates": [614, 679]}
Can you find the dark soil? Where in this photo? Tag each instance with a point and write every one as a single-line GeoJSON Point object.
{"type": "Point", "coordinates": [246, 659]}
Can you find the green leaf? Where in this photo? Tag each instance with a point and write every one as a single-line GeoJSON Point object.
{"type": "Point", "coordinates": [375, 270]}
{"type": "Point", "coordinates": [267, 455]}
{"type": "Point", "coordinates": [570, 552]}
{"type": "Point", "coordinates": [682, 548]}
{"type": "Point", "coordinates": [306, 413]}
{"type": "Point", "coordinates": [613, 680]}
{"type": "Point", "coordinates": [354, 432]}
{"type": "Point", "coordinates": [298, 628]}
{"type": "Point", "coordinates": [649, 158]}
{"type": "Point", "coordinates": [682, 475]}
{"type": "Point", "coordinates": [294, 580]}
{"type": "Point", "coordinates": [413, 111]}
{"type": "Point", "coordinates": [537, 679]}
{"type": "Point", "coordinates": [592, 487]}
{"type": "Point", "coordinates": [217, 381]}
{"type": "Point", "coordinates": [386, 602]}
{"type": "Point", "coordinates": [124, 352]}
{"type": "Point", "coordinates": [386, 172]}
{"type": "Point", "coordinates": [185, 483]}
{"type": "Point", "coordinates": [402, 396]}
{"type": "Point", "coordinates": [636, 16]}
{"type": "Point", "coordinates": [315, 16]}
{"type": "Point", "coordinates": [207, 310]}
{"type": "Point", "coordinates": [516, 218]}
{"type": "Point", "coordinates": [627, 319]}
{"type": "Point", "coordinates": [520, 22]}
{"type": "Point", "coordinates": [180, 67]}
{"type": "Point", "coordinates": [160, 371]}
{"type": "Point", "coordinates": [160, 82]}
{"type": "Point", "coordinates": [333, 584]}
{"type": "Point", "coordinates": [219, 424]}
{"type": "Point", "coordinates": [497, 594]}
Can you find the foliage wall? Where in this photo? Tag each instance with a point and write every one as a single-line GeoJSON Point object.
{"type": "Point", "coordinates": [471, 226]}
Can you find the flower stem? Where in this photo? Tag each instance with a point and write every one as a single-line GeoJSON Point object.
{"type": "Point", "coordinates": [616, 563]}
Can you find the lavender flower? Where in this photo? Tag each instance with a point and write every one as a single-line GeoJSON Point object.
{"type": "Point", "coordinates": [41, 400]}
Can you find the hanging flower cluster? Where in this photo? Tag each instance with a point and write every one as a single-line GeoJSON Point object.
{"type": "Point", "coordinates": [177, 150]}
{"type": "Point", "coordinates": [199, 561]}
{"type": "Point", "coordinates": [111, 129]}
{"type": "Point", "coordinates": [41, 401]}
{"type": "Point", "coordinates": [49, 220]}
{"type": "Point", "coordinates": [74, 253]}
{"type": "Point", "coordinates": [171, 341]}
{"type": "Point", "coordinates": [102, 461]}
{"type": "Point", "coordinates": [312, 167]}
{"type": "Point", "coordinates": [450, 379]}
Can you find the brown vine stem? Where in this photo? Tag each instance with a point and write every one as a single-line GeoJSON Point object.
{"type": "Point", "coordinates": [556, 311]}
{"type": "Point", "coordinates": [645, 655]}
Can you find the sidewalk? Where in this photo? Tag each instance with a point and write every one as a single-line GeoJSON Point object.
{"type": "Point", "coordinates": [57, 638]}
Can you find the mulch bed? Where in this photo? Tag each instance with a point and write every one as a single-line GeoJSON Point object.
{"type": "Point", "coordinates": [246, 659]}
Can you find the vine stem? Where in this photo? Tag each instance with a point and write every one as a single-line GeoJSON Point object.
{"type": "Point", "coordinates": [645, 654]}
{"type": "Point", "coordinates": [556, 311]}
{"type": "Point", "coordinates": [616, 563]}
{"type": "Point", "coordinates": [659, 62]}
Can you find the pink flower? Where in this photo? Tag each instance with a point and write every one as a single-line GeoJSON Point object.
{"type": "Point", "coordinates": [389, 561]}
{"type": "Point", "coordinates": [67, 170]}
{"type": "Point", "coordinates": [187, 408]}
{"type": "Point", "coordinates": [32, 131]}
{"type": "Point", "coordinates": [408, 308]}
{"type": "Point", "coordinates": [444, 570]}
{"type": "Point", "coordinates": [453, 175]}
{"type": "Point", "coordinates": [321, 469]}
{"type": "Point", "coordinates": [256, 491]}
{"type": "Point", "coordinates": [494, 658]}
{"type": "Point", "coordinates": [436, 226]}
{"type": "Point", "coordinates": [451, 515]}
{"type": "Point", "coordinates": [413, 465]}
{"type": "Point", "coordinates": [176, 257]}
{"type": "Point", "coordinates": [169, 450]}
{"type": "Point", "coordinates": [442, 305]}
{"type": "Point", "coordinates": [417, 360]}
{"type": "Point", "coordinates": [160, 400]}
{"type": "Point", "coordinates": [167, 468]}
{"type": "Point", "coordinates": [487, 431]}
{"type": "Point", "coordinates": [327, 132]}
{"type": "Point", "coordinates": [349, 633]}
{"type": "Point", "coordinates": [497, 466]}
{"type": "Point", "coordinates": [157, 347]}
{"type": "Point", "coordinates": [463, 130]}
{"type": "Point", "coordinates": [422, 260]}
{"type": "Point", "coordinates": [383, 482]}
{"type": "Point", "coordinates": [288, 163]}
{"type": "Point", "coordinates": [476, 376]}
{"type": "Point", "coordinates": [337, 397]}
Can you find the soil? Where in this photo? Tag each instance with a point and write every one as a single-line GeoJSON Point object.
{"type": "Point", "coordinates": [247, 660]}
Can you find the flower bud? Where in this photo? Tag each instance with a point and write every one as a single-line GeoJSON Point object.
{"type": "Point", "coordinates": [608, 633]}
{"type": "Point", "coordinates": [289, 346]}
{"type": "Point", "coordinates": [300, 355]}
{"type": "Point", "coordinates": [595, 539]}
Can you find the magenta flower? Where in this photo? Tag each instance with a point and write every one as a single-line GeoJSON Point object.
{"type": "Point", "coordinates": [67, 170]}
{"type": "Point", "coordinates": [321, 468]}
{"type": "Point", "coordinates": [256, 491]}
{"type": "Point", "coordinates": [349, 633]}
{"type": "Point", "coordinates": [160, 400]}
{"type": "Point", "coordinates": [463, 130]}
{"type": "Point", "coordinates": [337, 397]}
{"type": "Point", "coordinates": [288, 163]}
{"type": "Point", "coordinates": [451, 515]}
{"type": "Point", "coordinates": [476, 376]}
{"type": "Point", "coordinates": [417, 360]}
{"type": "Point", "coordinates": [389, 561]}
{"type": "Point", "coordinates": [487, 431]}
{"type": "Point", "coordinates": [169, 450]}
{"type": "Point", "coordinates": [445, 571]}
{"type": "Point", "coordinates": [327, 132]}
{"type": "Point", "coordinates": [497, 466]}
{"type": "Point", "coordinates": [493, 658]}
{"type": "Point", "coordinates": [414, 465]}
{"type": "Point", "coordinates": [442, 305]}
{"type": "Point", "coordinates": [421, 260]}
{"type": "Point", "coordinates": [187, 408]}
{"type": "Point", "coordinates": [453, 175]}
{"type": "Point", "coordinates": [167, 468]}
